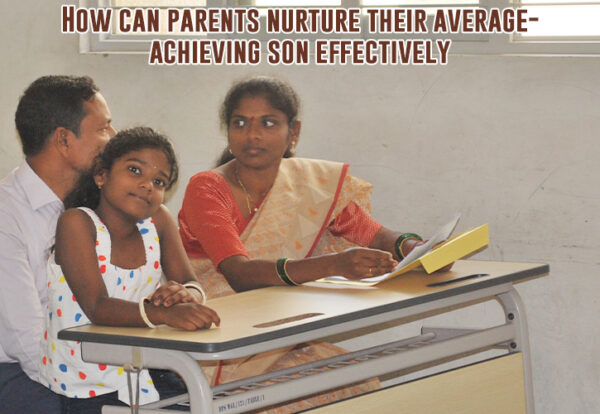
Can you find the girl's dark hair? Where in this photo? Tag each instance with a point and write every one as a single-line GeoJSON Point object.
{"type": "Point", "coordinates": [87, 194]}
{"type": "Point", "coordinates": [279, 94]}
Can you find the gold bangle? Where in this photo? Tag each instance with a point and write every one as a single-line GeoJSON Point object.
{"type": "Point", "coordinates": [143, 313]}
{"type": "Point", "coordinates": [198, 287]}
{"type": "Point", "coordinates": [404, 241]}
{"type": "Point", "coordinates": [400, 241]}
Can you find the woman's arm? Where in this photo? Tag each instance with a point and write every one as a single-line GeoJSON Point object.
{"type": "Point", "coordinates": [208, 215]}
{"type": "Point", "coordinates": [76, 254]}
{"type": "Point", "coordinates": [355, 263]}
{"type": "Point", "coordinates": [386, 239]}
{"type": "Point", "coordinates": [357, 226]}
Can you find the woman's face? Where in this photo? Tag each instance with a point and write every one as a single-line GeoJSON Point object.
{"type": "Point", "coordinates": [258, 133]}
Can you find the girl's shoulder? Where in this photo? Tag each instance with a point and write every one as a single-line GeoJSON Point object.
{"type": "Point", "coordinates": [77, 218]}
{"type": "Point", "coordinates": [75, 230]}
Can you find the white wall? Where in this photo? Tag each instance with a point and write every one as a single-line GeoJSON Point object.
{"type": "Point", "coordinates": [511, 141]}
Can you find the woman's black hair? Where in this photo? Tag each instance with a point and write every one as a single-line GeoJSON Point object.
{"type": "Point", "coordinates": [279, 94]}
{"type": "Point", "coordinates": [86, 192]}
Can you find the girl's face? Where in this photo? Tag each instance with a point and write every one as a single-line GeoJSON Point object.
{"type": "Point", "coordinates": [259, 134]}
{"type": "Point", "coordinates": [136, 183]}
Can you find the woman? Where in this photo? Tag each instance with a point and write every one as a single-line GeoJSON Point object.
{"type": "Point", "coordinates": [263, 218]}
{"type": "Point", "coordinates": [250, 213]}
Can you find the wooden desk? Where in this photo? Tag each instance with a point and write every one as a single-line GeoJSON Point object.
{"type": "Point", "coordinates": [265, 319]}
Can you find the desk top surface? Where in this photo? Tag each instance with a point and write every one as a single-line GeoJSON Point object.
{"type": "Point", "coordinates": [264, 314]}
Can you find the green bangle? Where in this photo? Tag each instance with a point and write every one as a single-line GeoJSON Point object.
{"type": "Point", "coordinates": [403, 237]}
{"type": "Point", "coordinates": [281, 271]}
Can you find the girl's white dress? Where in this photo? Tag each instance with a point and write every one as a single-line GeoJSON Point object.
{"type": "Point", "coordinates": [61, 366]}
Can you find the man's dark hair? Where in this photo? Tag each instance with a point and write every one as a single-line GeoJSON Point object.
{"type": "Point", "coordinates": [48, 103]}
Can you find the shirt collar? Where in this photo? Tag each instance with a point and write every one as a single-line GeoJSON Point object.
{"type": "Point", "coordinates": [36, 190]}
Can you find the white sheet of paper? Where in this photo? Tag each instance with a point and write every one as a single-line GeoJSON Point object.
{"type": "Point", "coordinates": [441, 235]}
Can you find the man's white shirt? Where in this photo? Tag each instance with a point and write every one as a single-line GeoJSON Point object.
{"type": "Point", "coordinates": [29, 210]}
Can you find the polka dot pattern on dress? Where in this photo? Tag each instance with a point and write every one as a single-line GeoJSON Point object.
{"type": "Point", "coordinates": [60, 361]}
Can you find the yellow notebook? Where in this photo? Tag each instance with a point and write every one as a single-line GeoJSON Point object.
{"type": "Point", "coordinates": [453, 249]}
{"type": "Point", "coordinates": [457, 247]}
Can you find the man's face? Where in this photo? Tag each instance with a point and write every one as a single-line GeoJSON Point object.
{"type": "Point", "coordinates": [94, 132]}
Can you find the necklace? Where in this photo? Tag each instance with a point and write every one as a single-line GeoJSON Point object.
{"type": "Point", "coordinates": [248, 198]}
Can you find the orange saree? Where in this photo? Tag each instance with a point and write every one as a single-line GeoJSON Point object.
{"type": "Point", "coordinates": [313, 208]}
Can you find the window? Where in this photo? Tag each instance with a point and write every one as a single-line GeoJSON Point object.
{"type": "Point", "coordinates": [565, 27]}
{"type": "Point", "coordinates": [134, 42]}
{"type": "Point", "coordinates": [563, 20]}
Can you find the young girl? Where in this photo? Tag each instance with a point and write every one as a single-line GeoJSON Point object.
{"type": "Point", "coordinates": [109, 256]}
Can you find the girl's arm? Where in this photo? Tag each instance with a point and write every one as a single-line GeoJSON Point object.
{"type": "Point", "coordinates": [175, 264]}
{"type": "Point", "coordinates": [76, 254]}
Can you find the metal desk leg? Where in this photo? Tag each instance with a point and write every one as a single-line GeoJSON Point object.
{"type": "Point", "coordinates": [515, 314]}
{"type": "Point", "coordinates": [199, 390]}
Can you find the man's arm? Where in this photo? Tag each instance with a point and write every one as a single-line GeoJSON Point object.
{"type": "Point", "coordinates": [21, 313]}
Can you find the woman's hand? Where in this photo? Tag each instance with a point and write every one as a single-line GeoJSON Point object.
{"type": "Point", "coordinates": [410, 244]}
{"type": "Point", "coordinates": [173, 293]}
{"type": "Point", "coordinates": [188, 316]}
{"type": "Point", "coordinates": [359, 262]}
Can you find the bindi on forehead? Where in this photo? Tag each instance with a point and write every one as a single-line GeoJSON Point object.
{"type": "Point", "coordinates": [151, 164]}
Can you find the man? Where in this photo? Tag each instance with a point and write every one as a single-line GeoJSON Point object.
{"type": "Point", "coordinates": [63, 122]}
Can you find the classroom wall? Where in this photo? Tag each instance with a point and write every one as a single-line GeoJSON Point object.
{"type": "Point", "coordinates": [511, 141]}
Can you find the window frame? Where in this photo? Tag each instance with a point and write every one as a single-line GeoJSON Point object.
{"type": "Point", "coordinates": [462, 44]}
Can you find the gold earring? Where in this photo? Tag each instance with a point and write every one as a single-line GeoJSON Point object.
{"type": "Point", "coordinates": [229, 149]}
{"type": "Point", "coordinates": [293, 147]}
